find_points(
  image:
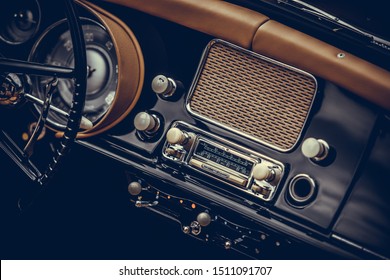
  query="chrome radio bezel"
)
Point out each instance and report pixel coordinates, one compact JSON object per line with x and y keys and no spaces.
{"x":239,"y":151}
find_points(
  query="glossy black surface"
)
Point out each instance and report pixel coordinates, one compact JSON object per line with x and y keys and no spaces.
{"x":346,"y":126}
{"x":365,"y":219}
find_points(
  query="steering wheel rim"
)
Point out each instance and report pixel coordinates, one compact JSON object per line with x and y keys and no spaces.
{"x":79,"y":76}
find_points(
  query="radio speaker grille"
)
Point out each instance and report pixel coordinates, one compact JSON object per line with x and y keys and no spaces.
{"x":252,"y":95}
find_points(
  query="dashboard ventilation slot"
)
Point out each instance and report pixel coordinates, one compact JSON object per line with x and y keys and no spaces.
{"x":252,"y":95}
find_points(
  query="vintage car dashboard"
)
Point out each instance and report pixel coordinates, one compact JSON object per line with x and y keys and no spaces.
{"x":246,"y":132}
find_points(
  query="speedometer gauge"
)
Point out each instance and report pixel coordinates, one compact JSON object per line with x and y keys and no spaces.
{"x":115,"y":71}
{"x":55,"y":48}
{"x":19,"y":21}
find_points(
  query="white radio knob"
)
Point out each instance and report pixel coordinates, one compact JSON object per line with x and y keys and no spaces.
{"x":266,"y":171}
{"x":315,"y":149}
{"x":261,"y":172}
{"x":175,"y":136}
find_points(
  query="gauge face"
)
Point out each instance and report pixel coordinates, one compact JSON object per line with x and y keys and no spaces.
{"x":55,"y":48}
{"x":19,"y":21}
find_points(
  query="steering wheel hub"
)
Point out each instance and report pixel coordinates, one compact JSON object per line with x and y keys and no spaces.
{"x":11,"y":89}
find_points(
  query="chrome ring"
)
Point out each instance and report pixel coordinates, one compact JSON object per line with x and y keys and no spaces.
{"x":307,"y":193}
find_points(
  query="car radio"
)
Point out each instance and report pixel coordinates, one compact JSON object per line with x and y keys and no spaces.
{"x":222,"y":160}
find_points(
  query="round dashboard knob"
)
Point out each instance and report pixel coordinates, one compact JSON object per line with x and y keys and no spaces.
{"x":261,"y":172}
{"x":203,"y":219}
{"x":144,"y":122}
{"x":316,"y":149}
{"x":164,"y":86}
{"x":134,"y":188}
{"x":175,"y":136}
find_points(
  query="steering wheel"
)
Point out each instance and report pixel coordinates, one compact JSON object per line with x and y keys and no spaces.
{"x":12,"y":90}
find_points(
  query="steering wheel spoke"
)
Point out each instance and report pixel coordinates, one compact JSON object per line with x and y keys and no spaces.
{"x":16,"y":154}
{"x":29,"y":148}
{"x":8,"y":65}
{"x":9,"y":90}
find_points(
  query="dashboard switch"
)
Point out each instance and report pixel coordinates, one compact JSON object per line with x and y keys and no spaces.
{"x":147,"y":123}
{"x":203,"y":219}
{"x":315,"y":149}
{"x":134,"y":188}
{"x":163,"y":86}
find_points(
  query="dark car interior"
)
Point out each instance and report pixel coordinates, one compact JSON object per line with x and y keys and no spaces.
{"x":194,"y":129}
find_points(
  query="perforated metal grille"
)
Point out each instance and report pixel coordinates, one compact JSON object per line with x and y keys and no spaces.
{"x":253,"y":96}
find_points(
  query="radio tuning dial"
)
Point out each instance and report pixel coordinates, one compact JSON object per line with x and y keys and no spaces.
{"x":177,"y":136}
{"x":263,"y":171}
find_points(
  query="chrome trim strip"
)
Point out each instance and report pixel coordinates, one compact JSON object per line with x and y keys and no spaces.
{"x":199,"y":71}
{"x":346,"y":241}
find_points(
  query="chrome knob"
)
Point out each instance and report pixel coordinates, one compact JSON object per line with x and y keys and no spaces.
{"x":203,"y":219}
{"x":146,"y":122}
{"x":195,"y":228}
{"x":228,"y":245}
{"x":134,"y":188}
{"x":315,"y":149}
{"x":186,"y":229}
{"x":163,"y":86}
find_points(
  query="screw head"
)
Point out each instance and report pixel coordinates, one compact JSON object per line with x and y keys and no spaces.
{"x":186,"y":229}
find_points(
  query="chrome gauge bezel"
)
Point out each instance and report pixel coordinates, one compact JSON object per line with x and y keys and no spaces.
{"x":40,"y":53}
{"x":33,"y":33}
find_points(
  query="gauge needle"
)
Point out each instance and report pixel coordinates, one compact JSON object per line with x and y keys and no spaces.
{"x":90,"y":71}
{"x":84,"y":124}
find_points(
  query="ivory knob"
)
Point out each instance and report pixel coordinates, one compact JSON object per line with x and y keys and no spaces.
{"x":175,"y":136}
{"x":261,"y":172}
{"x":313,"y":148}
{"x":144,"y":122}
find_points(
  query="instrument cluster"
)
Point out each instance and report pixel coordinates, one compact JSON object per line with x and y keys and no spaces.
{"x":35,"y":31}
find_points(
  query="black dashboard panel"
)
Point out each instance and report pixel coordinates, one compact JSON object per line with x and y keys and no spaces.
{"x":366,"y":212}
{"x":347,"y":126}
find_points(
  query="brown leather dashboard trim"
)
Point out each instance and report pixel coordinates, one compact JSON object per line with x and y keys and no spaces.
{"x":214,"y":17}
{"x":255,"y":31}
{"x":131,"y":70}
{"x":314,"y":56}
